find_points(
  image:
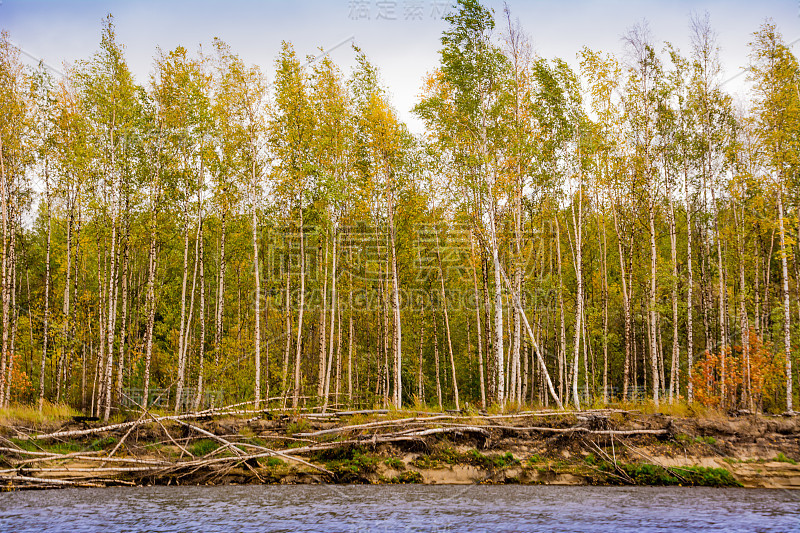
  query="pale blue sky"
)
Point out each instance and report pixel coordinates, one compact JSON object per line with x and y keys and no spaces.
{"x":404,"y":48}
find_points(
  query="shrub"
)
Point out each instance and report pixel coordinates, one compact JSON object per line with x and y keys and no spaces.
{"x":409,"y":476}
{"x":394,"y":462}
{"x":649,"y":474}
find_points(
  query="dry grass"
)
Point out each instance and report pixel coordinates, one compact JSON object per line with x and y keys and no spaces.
{"x":30,"y":413}
{"x":677,"y":409}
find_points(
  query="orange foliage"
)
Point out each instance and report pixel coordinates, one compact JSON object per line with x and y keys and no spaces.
{"x":767,"y":376}
{"x":21,"y":387}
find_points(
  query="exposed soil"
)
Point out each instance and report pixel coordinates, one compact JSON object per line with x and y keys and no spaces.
{"x":604,"y":447}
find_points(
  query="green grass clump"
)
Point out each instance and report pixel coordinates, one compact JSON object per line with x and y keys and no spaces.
{"x":394,"y":462}
{"x":298,"y":426}
{"x":349,"y":464}
{"x":426,"y":462}
{"x":654,"y":475}
{"x":476,"y":458}
{"x":409,"y":476}
{"x":101,"y":444}
{"x":781,"y":458}
{"x":473,"y":457}
{"x":54,"y":447}
{"x":706,"y":440}
{"x":203,"y":447}
{"x":273,"y":462}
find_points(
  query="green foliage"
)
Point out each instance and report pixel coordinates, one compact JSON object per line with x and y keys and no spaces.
{"x":521,"y":154}
{"x":409,"y":476}
{"x":449,"y":456}
{"x":649,"y":474}
{"x":273,"y":462}
{"x":781,"y":458}
{"x":298,"y":426}
{"x":395,"y":463}
{"x":203,"y":447}
{"x":352,"y":465}
{"x":711,"y":441}
{"x":102,"y":444}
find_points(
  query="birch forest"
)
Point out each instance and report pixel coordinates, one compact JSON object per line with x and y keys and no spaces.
{"x":582,"y":232}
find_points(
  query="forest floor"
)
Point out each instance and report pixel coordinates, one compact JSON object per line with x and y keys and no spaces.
{"x":239,"y":446}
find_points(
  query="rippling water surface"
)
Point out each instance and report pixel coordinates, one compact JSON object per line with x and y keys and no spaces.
{"x":400,"y":508}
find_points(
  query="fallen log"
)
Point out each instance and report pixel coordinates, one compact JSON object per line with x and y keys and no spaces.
{"x":47,"y":481}
{"x":239,"y":452}
{"x":457,"y":429}
{"x":616,"y":432}
{"x":125,"y":425}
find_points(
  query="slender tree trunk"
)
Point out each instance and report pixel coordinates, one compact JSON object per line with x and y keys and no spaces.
{"x":257,"y":296}
{"x":183,"y":352}
{"x":201,"y":342}
{"x":481,"y":378}
{"x":15,"y":316}
{"x":4,"y":197}
{"x":398,"y":336}
{"x":689,"y":294}
{"x":674,"y":377}
{"x":151,"y":316}
{"x":46,"y":325}
{"x":436,"y":361}
{"x":723,"y":332}
{"x":578,"y":225}
{"x":516,"y":386}
{"x":652,"y":309}
{"x":183,"y":325}
{"x":322,"y":316}
{"x":220,"y":305}
{"x":420,"y":388}
{"x":747,"y":398}
{"x":491,"y":378}
{"x":299,"y":346}
{"x":447,"y":326}
{"x":333,"y":324}
{"x":562,"y":352}
{"x":787,"y":336}
{"x":518,"y":303}
{"x":337,"y":389}
{"x":498,"y":311}
{"x":124,"y":329}
{"x":288,"y":331}
{"x":350,"y":326}
{"x":113,"y":294}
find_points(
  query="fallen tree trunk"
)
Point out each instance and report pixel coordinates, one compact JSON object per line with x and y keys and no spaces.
{"x":616,"y":432}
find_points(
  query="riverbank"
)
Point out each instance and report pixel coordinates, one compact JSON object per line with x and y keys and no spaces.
{"x":595,"y":447}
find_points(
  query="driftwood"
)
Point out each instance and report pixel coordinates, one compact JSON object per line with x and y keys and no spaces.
{"x":262,"y":448}
{"x":371,"y":425}
{"x":221,"y":411}
{"x":49,"y":481}
{"x":578,"y":429}
{"x":416,"y":427}
{"x":458,"y":429}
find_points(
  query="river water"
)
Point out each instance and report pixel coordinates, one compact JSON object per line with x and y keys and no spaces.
{"x":380,"y":508}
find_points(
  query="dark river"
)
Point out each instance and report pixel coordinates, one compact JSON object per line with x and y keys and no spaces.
{"x":400,"y":508}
